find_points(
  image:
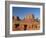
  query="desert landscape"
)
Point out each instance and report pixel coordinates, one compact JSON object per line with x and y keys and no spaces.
{"x":28,"y":23}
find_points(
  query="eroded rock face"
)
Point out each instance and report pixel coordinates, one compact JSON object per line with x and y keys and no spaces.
{"x":27,"y":24}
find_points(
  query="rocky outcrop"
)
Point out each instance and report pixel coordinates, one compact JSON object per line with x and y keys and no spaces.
{"x":28,"y":23}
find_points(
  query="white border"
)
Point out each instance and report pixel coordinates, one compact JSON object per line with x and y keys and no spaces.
{"x":23,"y":32}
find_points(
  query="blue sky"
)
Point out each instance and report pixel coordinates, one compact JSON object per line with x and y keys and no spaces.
{"x":22,"y":11}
